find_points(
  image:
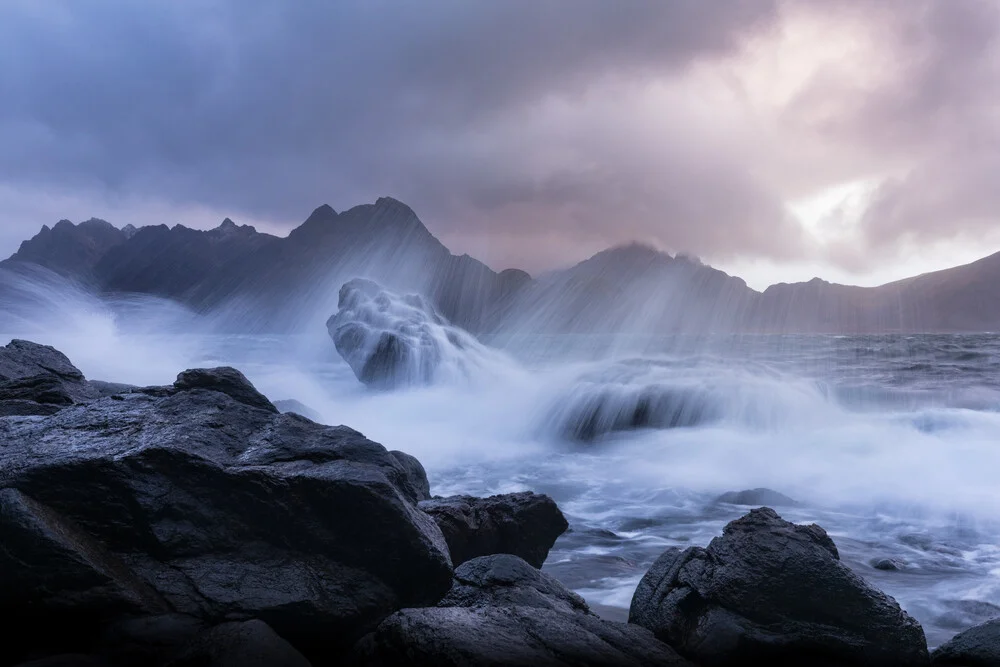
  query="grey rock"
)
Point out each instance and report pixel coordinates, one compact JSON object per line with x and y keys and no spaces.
{"x":503,"y":611}
{"x":239,"y":644}
{"x":503,"y":580}
{"x":757,"y":498}
{"x":976,"y":647}
{"x":524,"y":524}
{"x":771,"y":592}
{"x":508,"y":637}
{"x":228,"y":381}
{"x":23,"y":359}
{"x":416,"y":476}
{"x":201,"y":499}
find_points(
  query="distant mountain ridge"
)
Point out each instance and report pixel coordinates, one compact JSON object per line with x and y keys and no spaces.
{"x":260,"y":282}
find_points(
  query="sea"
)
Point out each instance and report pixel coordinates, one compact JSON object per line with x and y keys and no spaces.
{"x":889,"y":442}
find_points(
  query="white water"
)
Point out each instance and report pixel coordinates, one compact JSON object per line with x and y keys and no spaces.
{"x":892,"y":466}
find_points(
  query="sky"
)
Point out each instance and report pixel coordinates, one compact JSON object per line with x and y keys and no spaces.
{"x":848,"y":139}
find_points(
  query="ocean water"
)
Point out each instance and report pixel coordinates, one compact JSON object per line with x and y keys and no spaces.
{"x":891,"y":443}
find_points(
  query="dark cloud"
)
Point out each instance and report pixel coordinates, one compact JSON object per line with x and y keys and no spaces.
{"x":268,"y":108}
{"x":529,"y":132}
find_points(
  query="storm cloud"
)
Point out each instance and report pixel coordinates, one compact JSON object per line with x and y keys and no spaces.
{"x":529,"y":133}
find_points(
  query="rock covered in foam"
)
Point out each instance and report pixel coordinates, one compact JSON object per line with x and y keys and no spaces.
{"x":772,"y":592}
{"x":391,"y":340}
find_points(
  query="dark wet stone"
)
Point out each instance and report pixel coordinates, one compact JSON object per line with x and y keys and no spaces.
{"x":771,"y":592}
{"x":205,"y":501}
{"x":225,"y":380}
{"x":524,"y":524}
{"x":976,"y":647}
{"x":502,"y":611}
{"x":246,"y":644}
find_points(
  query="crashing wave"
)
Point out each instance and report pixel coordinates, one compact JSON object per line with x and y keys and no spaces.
{"x":645,"y":394}
{"x":391,"y":340}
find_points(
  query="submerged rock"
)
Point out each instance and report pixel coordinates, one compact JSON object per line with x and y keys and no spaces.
{"x":392,"y":340}
{"x":888,"y":564}
{"x":502,"y":611}
{"x":757,"y":498}
{"x":771,"y":592}
{"x":523,"y":524}
{"x":201,"y":499}
{"x":976,"y":647}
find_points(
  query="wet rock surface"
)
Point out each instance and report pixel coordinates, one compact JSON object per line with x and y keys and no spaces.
{"x":524,"y":524}
{"x":502,"y":611}
{"x":202,"y":499}
{"x":976,"y":647}
{"x":776,"y":593}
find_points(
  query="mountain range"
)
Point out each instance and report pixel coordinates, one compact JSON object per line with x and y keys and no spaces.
{"x":257,"y":282}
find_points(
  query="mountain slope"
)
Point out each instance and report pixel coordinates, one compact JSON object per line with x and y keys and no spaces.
{"x":257,"y":282}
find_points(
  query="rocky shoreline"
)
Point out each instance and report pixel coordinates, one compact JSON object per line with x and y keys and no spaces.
{"x":197,"y":524}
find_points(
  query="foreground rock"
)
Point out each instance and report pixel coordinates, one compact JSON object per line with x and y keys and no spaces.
{"x":523,"y":524}
{"x":771,"y":592}
{"x":39,"y":380}
{"x":202,"y":500}
{"x":392,"y":340}
{"x":976,"y":647}
{"x":502,"y":611}
{"x":248,"y":644}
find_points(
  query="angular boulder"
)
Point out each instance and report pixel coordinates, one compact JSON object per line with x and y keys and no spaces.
{"x":39,"y":380}
{"x":201,"y":499}
{"x":976,"y":647}
{"x":502,"y":611}
{"x":771,"y":592}
{"x":416,"y":476}
{"x":524,"y":524}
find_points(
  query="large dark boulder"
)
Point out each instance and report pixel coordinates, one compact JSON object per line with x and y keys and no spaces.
{"x":771,"y":592}
{"x":976,"y":647}
{"x":504,"y":612}
{"x":246,"y":644}
{"x":201,"y":499}
{"x":503,"y":580}
{"x":416,"y":477}
{"x":39,"y":380}
{"x":22,"y":359}
{"x":524,"y":524}
{"x":225,"y":380}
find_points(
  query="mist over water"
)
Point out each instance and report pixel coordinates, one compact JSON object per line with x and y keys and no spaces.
{"x":888,"y":442}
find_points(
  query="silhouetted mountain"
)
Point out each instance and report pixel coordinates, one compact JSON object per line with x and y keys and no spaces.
{"x":71,"y":250}
{"x":255,"y":281}
{"x":628,"y":288}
